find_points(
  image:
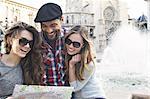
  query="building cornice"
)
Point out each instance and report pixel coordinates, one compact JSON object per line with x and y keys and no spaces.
{"x":78,"y":13}
{"x":19,"y":4}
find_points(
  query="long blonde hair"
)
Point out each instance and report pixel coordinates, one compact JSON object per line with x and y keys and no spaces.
{"x":87,"y":54}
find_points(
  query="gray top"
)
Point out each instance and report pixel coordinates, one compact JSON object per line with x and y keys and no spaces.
{"x":90,"y":87}
{"x":9,"y":76}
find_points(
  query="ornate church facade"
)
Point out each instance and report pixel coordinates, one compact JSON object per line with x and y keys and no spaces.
{"x":101,"y":17}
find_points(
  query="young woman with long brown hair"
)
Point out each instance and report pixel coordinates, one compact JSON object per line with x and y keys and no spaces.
{"x":22,"y":62}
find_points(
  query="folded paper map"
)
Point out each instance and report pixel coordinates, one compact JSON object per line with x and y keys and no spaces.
{"x":42,"y":92}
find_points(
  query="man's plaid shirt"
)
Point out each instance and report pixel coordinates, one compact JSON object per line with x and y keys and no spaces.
{"x":54,"y":62}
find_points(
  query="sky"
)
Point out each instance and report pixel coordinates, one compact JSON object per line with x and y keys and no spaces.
{"x":38,"y":3}
{"x":135,"y":7}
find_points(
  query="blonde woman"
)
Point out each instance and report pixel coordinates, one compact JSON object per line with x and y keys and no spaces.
{"x":80,"y":65}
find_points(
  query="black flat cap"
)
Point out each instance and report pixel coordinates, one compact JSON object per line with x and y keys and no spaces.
{"x":48,"y":12}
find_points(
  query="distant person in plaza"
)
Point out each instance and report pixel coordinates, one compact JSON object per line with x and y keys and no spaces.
{"x":142,"y":21}
{"x":21,"y":64}
{"x":50,"y":18}
{"x":1,"y":38}
{"x":80,"y":65}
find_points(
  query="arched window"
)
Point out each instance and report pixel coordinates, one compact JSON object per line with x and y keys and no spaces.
{"x":72,"y":19}
{"x":91,"y":32}
{"x":67,"y":20}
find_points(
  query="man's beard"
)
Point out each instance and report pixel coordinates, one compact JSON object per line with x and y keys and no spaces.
{"x":56,"y":34}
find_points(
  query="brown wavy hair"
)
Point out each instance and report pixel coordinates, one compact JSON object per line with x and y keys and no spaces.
{"x":32,"y":63}
{"x":86,"y":52}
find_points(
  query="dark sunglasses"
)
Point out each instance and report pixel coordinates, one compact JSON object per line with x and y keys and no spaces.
{"x":24,"y":41}
{"x":75,"y":44}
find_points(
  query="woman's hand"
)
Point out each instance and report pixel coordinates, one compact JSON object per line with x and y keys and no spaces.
{"x":75,"y":59}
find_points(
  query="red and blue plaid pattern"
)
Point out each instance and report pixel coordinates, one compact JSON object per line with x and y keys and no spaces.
{"x":54,"y":62}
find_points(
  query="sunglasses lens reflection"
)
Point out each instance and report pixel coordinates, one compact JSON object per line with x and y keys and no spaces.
{"x":24,"y":41}
{"x":75,"y":44}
